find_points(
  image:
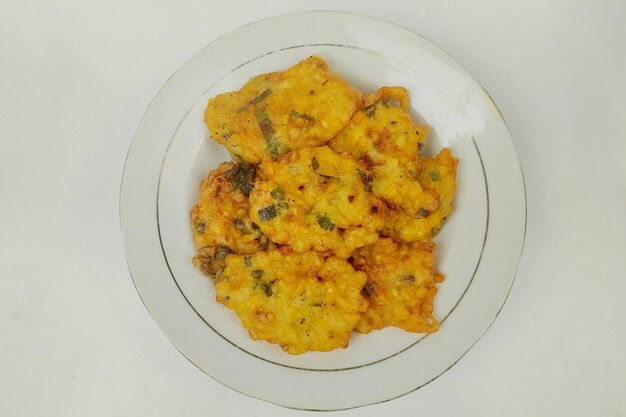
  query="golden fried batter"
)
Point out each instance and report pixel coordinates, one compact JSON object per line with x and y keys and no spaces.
{"x":400,"y":187}
{"x":305,"y":105}
{"x":302,"y":302}
{"x":438,"y":177}
{"x":314,"y":199}
{"x":323,"y":224}
{"x":220,"y":220}
{"x":400,"y":286}
{"x":381,"y":129}
{"x":385,"y":137}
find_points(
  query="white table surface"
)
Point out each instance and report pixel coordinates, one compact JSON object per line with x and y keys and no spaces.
{"x":75,"y":80}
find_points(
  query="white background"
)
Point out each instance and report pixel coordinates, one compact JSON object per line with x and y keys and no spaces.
{"x":75,"y":79}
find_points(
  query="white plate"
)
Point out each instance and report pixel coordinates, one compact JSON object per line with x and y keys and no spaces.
{"x":478,"y":250}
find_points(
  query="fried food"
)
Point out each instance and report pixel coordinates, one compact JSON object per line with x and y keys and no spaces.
{"x":384,"y":136}
{"x":220,"y":221}
{"x":303,"y":106}
{"x":381,"y":129}
{"x":438,"y":176}
{"x":302,"y":302}
{"x":315,"y":199}
{"x":400,"y":286}
{"x":322,"y":225}
{"x":400,"y":187}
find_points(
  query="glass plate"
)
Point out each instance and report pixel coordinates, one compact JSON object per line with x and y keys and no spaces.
{"x":478,"y":249}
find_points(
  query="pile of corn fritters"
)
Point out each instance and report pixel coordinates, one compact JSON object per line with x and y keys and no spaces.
{"x":322,"y":222}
